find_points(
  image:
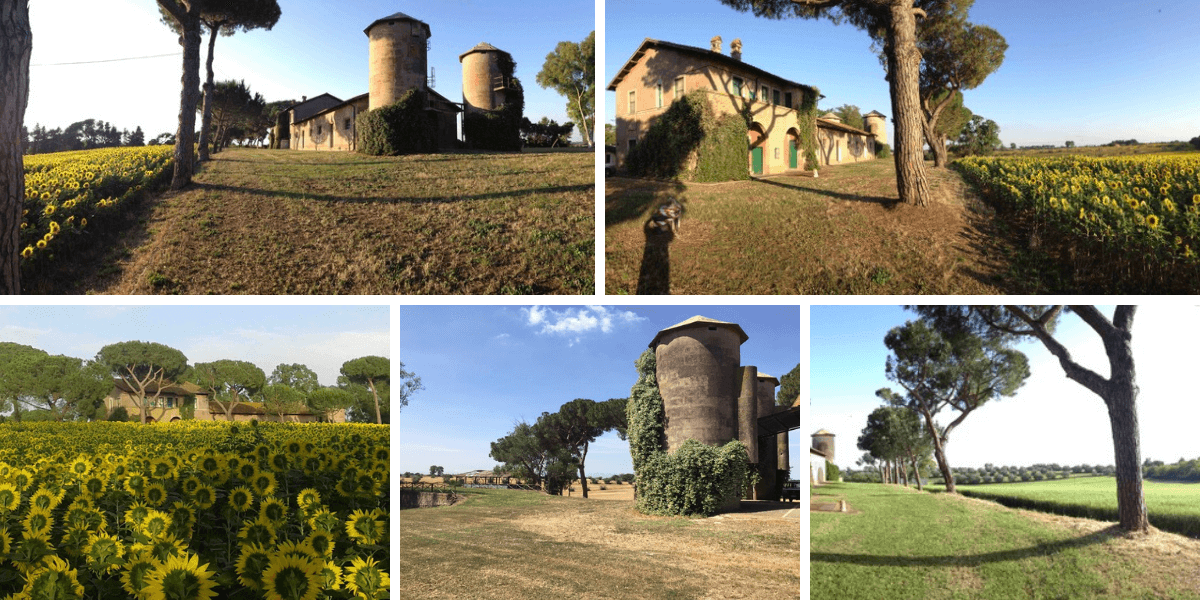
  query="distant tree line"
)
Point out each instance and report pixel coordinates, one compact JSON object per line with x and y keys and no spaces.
{"x":37,"y":386}
{"x":81,"y":135}
{"x":1184,"y":470}
{"x":990,"y":473}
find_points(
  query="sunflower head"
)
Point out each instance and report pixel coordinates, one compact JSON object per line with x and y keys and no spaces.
{"x":257,"y":532}
{"x":272,"y":510}
{"x":263,"y":483}
{"x":205,"y":496}
{"x":53,"y":579}
{"x":155,"y":494}
{"x":363,"y":526}
{"x":308,"y":497}
{"x":365,"y":579}
{"x":251,"y":564}
{"x":290,"y":577}
{"x":241,"y":498}
{"x":103,"y":552}
{"x":332,"y":576}
{"x":320,"y":543}
{"x":181,"y":578}
{"x":10,"y":497}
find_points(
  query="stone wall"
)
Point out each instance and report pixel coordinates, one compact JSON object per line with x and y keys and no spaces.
{"x":415,"y":499}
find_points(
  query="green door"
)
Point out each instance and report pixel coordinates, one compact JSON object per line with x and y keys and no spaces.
{"x":791,"y":154}
{"x":756,"y":160}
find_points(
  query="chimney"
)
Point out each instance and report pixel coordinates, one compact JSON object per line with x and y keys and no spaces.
{"x":735,"y":49}
{"x":304,"y":98}
{"x":716,"y":44}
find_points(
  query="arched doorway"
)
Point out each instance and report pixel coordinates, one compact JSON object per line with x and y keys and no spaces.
{"x":793,"y":148}
{"x":758,"y":138}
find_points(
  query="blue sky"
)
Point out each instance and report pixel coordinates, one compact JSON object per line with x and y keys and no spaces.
{"x":321,"y":337}
{"x":1050,"y":419}
{"x":316,"y":47}
{"x":486,"y":367}
{"x":1086,"y":71}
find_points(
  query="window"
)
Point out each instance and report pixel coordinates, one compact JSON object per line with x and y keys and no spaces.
{"x":632,"y":101}
{"x":632,"y":142}
{"x":679,"y":91}
{"x":319,"y":129}
{"x":775,"y":97}
{"x":737,"y":86}
{"x":347,"y":125}
{"x":658,"y":95}
{"x":765,"y":93}
{"x":776,"y":153}
{"x":787,"y":100}
{"x":170,"y":403}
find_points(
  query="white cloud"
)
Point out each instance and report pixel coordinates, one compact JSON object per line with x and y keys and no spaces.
{"x":574,"y":322}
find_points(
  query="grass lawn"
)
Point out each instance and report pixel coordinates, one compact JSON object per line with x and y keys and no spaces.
{"x":1171,"y":506}
{"x":899,"y":543}
{"x":288,"y":222}
{"x":841,"y":233}
{"x":515,"y":544}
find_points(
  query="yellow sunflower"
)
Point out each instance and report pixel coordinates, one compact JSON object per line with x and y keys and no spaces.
{"x":263,"y":483}
{"x":363,"y":526}
{"x":292,"y":578}
{"x":180,"y":578}
{"x":205,"y":496}
{"x":320,"y":543}
{"x":273,"y":510}
{"x":365,"y":579}
{"x":251,"y":565}
{"x":53,"y":579}
{"x":308,"y":497}
{"x":10,"y":497}
{"x":38,"y":521}
{"x":155,"y":524}
{"x":1152,"y":221}
{"x":257,"y":532}
{"x":332,"y":575}
{"x":241,"y":498}
{"x":155,"y":494}
{"x":104,"y":552}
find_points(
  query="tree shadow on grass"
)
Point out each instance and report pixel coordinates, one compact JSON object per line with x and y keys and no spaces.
{"x":969,"y":560}
{"x":558,"y":189}
{"x":882,"y":200}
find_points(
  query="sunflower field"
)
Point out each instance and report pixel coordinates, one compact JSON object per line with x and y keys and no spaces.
{"x":193,"y":510}
{"x":1139,"y":212}
{"x":69,"y":193}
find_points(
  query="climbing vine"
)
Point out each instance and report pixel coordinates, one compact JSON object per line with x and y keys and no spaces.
{"x":696,"y":479}
{"x":807,"y":118}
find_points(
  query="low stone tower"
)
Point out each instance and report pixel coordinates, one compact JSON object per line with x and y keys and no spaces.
{"x":876,"y":123}
{"x":398,"y":60}
{"x":823,"y":441}
{"x":485,"y":82}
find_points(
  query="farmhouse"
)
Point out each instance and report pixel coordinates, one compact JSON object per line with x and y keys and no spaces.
{"x":173,"y":401}
{"x":398,"y":62}
{"x":781,"y":112}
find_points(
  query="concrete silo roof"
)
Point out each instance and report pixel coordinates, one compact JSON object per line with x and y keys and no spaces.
{"x":395,"y":17}
{"x":823,"y":432}
{"x":764,"y":376}
{"x":699,"y":321}
{"x":480,"y":47}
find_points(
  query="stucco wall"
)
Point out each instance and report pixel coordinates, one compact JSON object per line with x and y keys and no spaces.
{"x":663,"y":65}
{"x":329,"y":131}
{"x":415,"y":499}
{"x":842,"y":147}
{"x":396,"y":54}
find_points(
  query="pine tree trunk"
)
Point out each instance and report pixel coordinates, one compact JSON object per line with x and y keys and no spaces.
{"x":206,"y":118}
{"x":904,"y":76}
{"x":16,"y":46}
{"x":916,"y":472}
{"x":1122,"y":415}
{"x":189,"y":95}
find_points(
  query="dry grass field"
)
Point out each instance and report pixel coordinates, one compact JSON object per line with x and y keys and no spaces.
{"x":514,"y":544}
{"x":841,"y":233}
{"x":284,"y":222}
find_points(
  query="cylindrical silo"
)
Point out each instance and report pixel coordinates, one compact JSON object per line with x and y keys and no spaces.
{"x":768,"y":458}
{"x":747,"y":415}
{"x":397,"y":58}
{"x":484,"y":82}
{"x":698,"y":366}
{"x":823,"y":441}
{"x":785,"y":463}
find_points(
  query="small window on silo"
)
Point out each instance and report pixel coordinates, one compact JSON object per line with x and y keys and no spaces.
{"x":712,"y":328}
{"x":347,"y":124}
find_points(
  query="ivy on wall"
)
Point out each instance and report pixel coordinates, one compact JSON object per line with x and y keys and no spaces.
{"x":807,"y":117}
{"x":498,"y":129}
{"x":398,"y":128}
{"x":696,"y":479}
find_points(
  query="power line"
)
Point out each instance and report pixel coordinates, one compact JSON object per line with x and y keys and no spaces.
{"x":89,"y":62}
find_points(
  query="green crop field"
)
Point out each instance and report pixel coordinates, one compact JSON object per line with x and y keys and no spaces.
{"x":899,"y":543}
{"x":1172,"y":506}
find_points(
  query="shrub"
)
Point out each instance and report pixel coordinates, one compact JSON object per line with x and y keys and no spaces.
{"x":402,"y":127}
{"x":832,"y":473}
{"x":696,"y":478}
{"x":882,"y":151}
{"x":118,"y":414}
{"x":603,"y":487}
{"x":1195,"y":142}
